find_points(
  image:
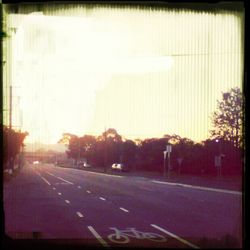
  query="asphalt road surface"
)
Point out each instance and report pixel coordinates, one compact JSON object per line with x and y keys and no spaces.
{"x":48,"y":202}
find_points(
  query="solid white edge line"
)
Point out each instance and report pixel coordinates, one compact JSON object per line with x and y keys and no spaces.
{"x":175,"y":236}
{"x":79,"y":214}
{"x":199,"y":187}
{"x":98,"y":236}
{"x":101,"y":198}
{"x":45,"y":180}
{"x":123,"y":209}
{"x":67,"y":201}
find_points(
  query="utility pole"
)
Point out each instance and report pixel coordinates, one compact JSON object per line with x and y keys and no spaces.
{"x":105,"y":153}
{"x":10,"y":117}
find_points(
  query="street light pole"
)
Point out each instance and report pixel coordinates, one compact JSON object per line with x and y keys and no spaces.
{"x":168,"y":164}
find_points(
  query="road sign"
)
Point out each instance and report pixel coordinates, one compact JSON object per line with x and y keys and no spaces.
{"x":169,"y":148}
{"x":217,"y":161}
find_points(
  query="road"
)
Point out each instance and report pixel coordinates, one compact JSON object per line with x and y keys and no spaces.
{"x":48,"y":202}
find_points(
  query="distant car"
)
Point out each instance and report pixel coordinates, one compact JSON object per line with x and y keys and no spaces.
{"x":35,"y":162}
{"x":86,"y":165}
{"x":120,"y":167}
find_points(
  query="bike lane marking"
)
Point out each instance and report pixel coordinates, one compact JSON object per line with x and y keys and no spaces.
{"x":123,"y":209}
{"x":98,"y":236}
{"x":175,"y":236}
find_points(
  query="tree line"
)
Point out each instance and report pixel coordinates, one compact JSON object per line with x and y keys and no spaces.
{"x":189,"y":157}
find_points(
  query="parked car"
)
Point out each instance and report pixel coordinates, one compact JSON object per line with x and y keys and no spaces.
{"x":120,"y":167}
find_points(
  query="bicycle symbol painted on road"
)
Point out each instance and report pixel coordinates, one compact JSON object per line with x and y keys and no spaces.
{"x":122,"y":236}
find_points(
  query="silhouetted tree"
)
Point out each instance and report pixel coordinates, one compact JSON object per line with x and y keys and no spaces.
{"x":228,"y":119}
{"x":12,"y":142}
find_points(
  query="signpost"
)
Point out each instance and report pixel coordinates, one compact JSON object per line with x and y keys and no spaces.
{"x":217,"y":164}
{"x":167,"y":151}
{"x":179,"y":160}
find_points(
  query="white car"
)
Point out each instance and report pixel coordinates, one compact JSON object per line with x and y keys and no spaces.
{"x":119,"y":166}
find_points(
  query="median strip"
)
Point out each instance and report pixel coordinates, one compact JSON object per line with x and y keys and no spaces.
{"x":199,"y":187}
{"x":98,"y":236}
{"x":175,"y":236}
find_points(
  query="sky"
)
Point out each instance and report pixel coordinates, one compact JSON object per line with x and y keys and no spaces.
{"x":144,"y":73}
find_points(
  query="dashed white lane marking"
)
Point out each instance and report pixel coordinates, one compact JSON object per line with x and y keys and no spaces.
{"x":67,"y":201}
{"x":64,"y":180}
{"x":45,"y":180}
{"x":79,"y":187}
{"x":79,"y":214}
{"x":98,"y":236}
{"x":59,"y":193}
{"x":199,"y":187}
{"x":175,"y":236}
{"x":88,"y":191}
{"x":123,"y":209}
{"x":54,"y":188}
{"x":101,"y":198}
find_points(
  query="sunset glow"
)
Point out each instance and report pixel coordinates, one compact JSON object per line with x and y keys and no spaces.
{"x":144,"y":73}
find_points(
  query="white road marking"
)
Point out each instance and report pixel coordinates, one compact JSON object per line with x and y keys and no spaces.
{"x":64,"y":180}
{"x":59,"y":193}
{"x":98,"y":236}
{"x":46,"y":181}
{"x":67,"y":201}
{"x":54,"y":188}
{"x":101,"y":198}
{"x":50,"y":174}
{"x":118,"y":176}
{"x":175,"y":236}
{"x":123,"y":209}
{"x":59,"y":178}
{"x":88,"y":192}
{"x":79,"y":187}
{"x":79,"y":214}
{"x":38,"y":173}
{"x":199,"y":187}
